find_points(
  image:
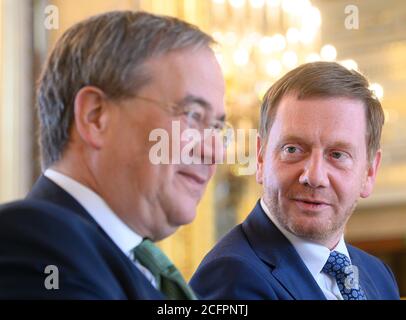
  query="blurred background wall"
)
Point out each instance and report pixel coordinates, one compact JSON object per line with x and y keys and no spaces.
{"x":259,"y":40}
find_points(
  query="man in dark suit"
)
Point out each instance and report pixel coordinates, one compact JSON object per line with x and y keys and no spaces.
{"x":318,"y":152}
{"x":113,"y":86}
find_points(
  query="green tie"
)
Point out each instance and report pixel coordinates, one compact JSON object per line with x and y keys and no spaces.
{"x":169,"y":280}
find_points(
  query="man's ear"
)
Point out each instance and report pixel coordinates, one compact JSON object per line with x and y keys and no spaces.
{"x":260,"y":160}
{"x":371,"y":175}
{"x":91,"y":115}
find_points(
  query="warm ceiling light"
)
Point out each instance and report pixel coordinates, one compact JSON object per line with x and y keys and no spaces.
{"x":293,"y":35}
{"x":349,"y":64}
{"x":241,"y":57}
{"x":377,"y":89}
{"x":266,"y":45}
{"x":290,"y":59}
{"x":273,"y":3}
{"x":237,"y":3}
{"x":311,"y":17}
{"x":313,"y":57}
{"x":307,"y":35}
{"x":218,"y":36}
{"x":279,"y":42}
{"x":257,"y":4}
{"x":230,"y":38}
{"x":274,"y":68}
{"x":289,"y":6}
{"x":328,"y":52}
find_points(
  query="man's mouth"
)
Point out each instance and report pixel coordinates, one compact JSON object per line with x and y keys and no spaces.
{"x":311,"y":201}
{"x":310,"y":204}
{"x":193,"y":177}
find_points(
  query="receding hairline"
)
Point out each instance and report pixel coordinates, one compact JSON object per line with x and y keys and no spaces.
{"x":295,"y":94}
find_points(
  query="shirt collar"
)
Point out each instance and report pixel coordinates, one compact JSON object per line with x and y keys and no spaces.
{"x":124,"y":237}
{"x":314,"y":255}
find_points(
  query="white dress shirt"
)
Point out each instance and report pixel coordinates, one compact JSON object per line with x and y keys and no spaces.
{"x":124,"y":237}
{"x":314,"y":256}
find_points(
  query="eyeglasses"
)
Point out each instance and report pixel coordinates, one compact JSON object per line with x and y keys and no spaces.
{"x":197,"y":117}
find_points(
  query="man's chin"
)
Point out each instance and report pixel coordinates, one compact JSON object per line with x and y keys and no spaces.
{"x":171,"y":229}
{"x":187,"y":217}
{"x":186,"y":213}
{"x":164,"y":234}
{"x":311,"y":229}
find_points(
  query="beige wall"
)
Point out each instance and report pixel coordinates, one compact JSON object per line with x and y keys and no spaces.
{"x":16,"y":107}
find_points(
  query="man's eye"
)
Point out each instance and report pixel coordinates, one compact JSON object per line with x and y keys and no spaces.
{"x":291,"y":153}
{"x":290,"y":149}
{"x":195,"y":115}
{"x":218,"y":125}
{"x":338,"y":155}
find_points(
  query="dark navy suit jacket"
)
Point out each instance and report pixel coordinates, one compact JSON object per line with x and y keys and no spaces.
{"x":49,"y":227}
{"x":256,"y":261}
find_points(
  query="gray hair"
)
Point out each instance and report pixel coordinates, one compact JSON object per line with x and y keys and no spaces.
{"x":107,"y":51}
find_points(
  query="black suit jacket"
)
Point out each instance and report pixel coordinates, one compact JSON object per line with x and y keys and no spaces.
{"x":50,"y":227}
{"x":256,"y":261}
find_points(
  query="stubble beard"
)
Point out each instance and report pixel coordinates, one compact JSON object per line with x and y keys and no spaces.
{"x":321,"y":233}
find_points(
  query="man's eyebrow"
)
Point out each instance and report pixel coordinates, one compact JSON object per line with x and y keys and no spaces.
{"x":336,"y":144}
{"x":196,"y":99}
{"x":344,"y":145}
{"x":202,"y":102}
{"x":292,"y":138}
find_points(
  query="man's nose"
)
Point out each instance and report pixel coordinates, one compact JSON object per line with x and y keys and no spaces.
{"x":315,"y":173}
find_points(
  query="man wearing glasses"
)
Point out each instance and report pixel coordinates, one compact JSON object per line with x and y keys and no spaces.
{"x":86,"y":230}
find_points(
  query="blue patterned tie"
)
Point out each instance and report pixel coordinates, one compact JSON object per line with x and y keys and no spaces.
{"x":339,"y":266}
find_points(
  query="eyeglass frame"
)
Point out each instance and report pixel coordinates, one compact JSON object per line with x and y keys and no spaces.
{"x":167,"y":106}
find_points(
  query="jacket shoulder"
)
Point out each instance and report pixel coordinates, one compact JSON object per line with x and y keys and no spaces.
{"x":378,"y":271}
{"x":231,"y":270}
{"x":16,"y":214}
{"x":34,"y":235}
{"x":366,"y":259}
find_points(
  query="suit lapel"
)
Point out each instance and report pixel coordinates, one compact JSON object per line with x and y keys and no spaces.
{"x":367,"y":284}
{"x":275,"y":250}
{"x":46,"y":190}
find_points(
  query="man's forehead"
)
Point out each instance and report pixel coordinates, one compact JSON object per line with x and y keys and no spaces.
{"x":187,"y":66}
{"x":181,"y":77}
{"x":182,"y":59}
{"x":339,"y":118}
{"x":329,"y":109}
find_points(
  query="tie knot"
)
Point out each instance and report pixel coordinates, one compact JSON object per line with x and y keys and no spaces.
{"x":338,"y":265}
{"x":152,"y":257}
{"x":168,"y":278}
